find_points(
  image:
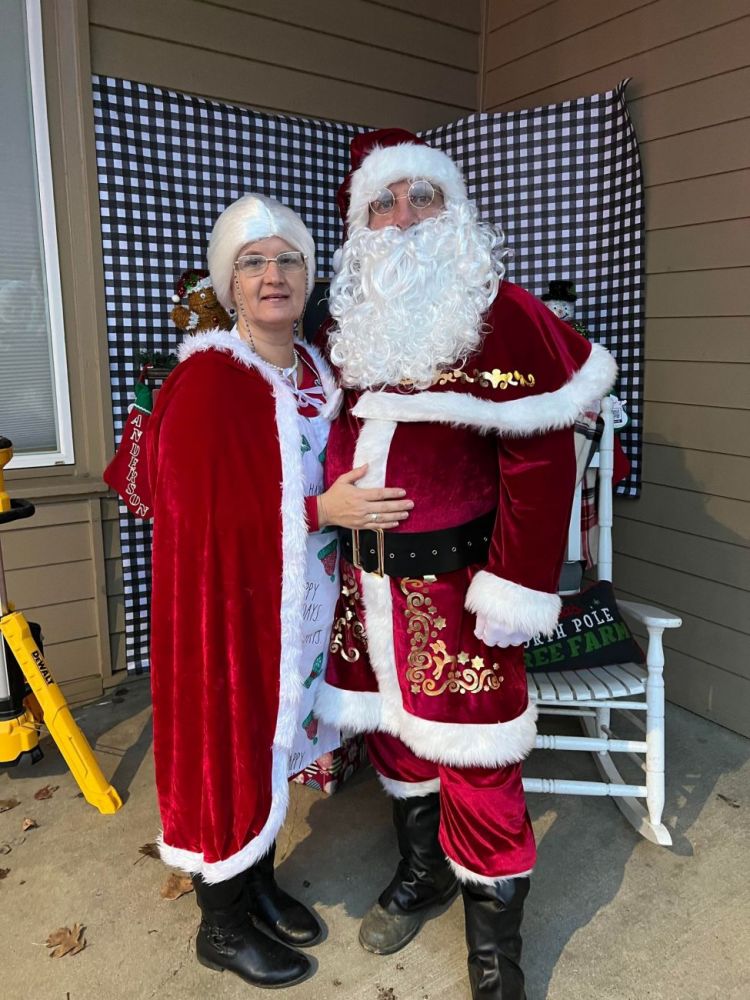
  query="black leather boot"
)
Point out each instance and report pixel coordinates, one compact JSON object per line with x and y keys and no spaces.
{"x":286,"y":917}
{"x":493,"y":936}
{"x":227,"y":939}
{"x":423,"y":878}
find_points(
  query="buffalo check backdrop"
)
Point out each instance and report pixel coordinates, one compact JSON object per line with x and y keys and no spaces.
{"x":563,"y":181}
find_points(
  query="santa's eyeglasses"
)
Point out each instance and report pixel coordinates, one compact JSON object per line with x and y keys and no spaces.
{"x":421,"y":195}
{"x":255,"y":264}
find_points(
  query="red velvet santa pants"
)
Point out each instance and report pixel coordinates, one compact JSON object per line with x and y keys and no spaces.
{"x":485,"y":828}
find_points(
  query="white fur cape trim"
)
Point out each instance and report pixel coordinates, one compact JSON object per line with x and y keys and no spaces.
{"x":517,"y":417}
{"x":355,"y":711}
{"x":193,"y":863}
{"x":294,"y":559}
{"x":407,"y":161}
{"x":458,"y":744}
{"x":511,"y":605}
{"x":468,"y":876}
{"x":408,"y":789}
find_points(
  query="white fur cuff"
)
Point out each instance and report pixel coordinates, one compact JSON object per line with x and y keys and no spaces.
{"x":512,"y":606}
{"x":465,"y":875}
{"x":408,"y":789}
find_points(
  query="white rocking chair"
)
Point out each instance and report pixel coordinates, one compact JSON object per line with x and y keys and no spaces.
{"x":592,"y":695}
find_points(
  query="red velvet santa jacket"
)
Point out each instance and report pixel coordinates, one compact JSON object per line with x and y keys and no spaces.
{"x":495,"y":435}
{"x":229,"y":553}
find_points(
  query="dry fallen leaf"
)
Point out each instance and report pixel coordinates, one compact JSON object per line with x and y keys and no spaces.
{"x":4,"y":872}
{"x":29,"y":824}
{"x":176,"y":886}
{"x":729,"y":800}
{"x":149,"y":850}
{"x":5,"y":848}
{"x":6,"y":804}
{"x":65,"y":941}
{"x":46,"y":792}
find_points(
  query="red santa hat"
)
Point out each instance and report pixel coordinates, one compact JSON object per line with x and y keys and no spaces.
{"x":388,"y":155}
{"x":249,"y":219}
{"x":190,"y":281}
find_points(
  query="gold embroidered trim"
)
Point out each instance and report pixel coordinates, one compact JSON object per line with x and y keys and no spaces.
{"x":434,"y":670}
{"x":488,"y":380}
{"x":348,"y":622}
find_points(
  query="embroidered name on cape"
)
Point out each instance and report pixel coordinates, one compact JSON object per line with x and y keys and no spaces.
{"x":135,"y":430}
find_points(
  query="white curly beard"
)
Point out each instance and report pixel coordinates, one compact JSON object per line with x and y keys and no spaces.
{"x":407,"y":305}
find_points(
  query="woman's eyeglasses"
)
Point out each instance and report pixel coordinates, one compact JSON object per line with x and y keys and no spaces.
{"x":421,"y":195}
{"x":255,"y":264}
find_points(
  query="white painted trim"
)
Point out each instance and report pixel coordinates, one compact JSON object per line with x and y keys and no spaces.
{"x":408,"y":789}
{"x":533,"y":414}
{"x":467,"y":876}
{"x":64,"y":454}
{"x":512,"y":606}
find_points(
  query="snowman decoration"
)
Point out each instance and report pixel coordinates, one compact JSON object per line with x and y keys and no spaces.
{"x":560,"y":298}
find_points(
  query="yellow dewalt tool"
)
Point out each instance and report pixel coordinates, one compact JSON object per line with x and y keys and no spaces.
{"x":26,"y":705}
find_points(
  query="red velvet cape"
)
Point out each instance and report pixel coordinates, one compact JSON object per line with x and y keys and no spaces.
{"x":229,"y":548}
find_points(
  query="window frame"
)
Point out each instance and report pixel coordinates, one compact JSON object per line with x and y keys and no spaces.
{"x":64,"y":454}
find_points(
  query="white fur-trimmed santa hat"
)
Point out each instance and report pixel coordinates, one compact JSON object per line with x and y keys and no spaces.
{"x":388,"y":155}
{"x":249,"y":219}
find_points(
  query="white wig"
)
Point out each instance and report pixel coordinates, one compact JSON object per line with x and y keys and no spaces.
{"x":249,"y":219}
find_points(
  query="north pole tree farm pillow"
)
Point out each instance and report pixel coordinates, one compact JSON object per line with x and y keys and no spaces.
{"x":590,"y":633}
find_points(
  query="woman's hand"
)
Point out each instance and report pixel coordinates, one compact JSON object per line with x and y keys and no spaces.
{"x":347,"y":505}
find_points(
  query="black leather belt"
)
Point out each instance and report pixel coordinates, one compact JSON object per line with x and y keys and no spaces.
{"x":419,"y":553}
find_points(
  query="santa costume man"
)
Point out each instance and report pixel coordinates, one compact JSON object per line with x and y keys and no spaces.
{"x":462,"y":389}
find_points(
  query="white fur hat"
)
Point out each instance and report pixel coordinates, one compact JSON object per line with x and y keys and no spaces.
{"x":249,"y":219}
{"x":389,"y":155}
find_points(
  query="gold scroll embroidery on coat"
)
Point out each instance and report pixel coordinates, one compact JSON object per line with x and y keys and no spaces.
{"x":488,"y":380}
{"x":348,"y":626}
{"x":432,"y":669}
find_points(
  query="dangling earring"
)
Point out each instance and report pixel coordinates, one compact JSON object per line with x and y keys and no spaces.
{"x":295,"y":328}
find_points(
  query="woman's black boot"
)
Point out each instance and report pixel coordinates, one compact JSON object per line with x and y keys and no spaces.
{"x":493,"y":936}
{"x":286,"y":917}
{"x":227,"y":939}
{"x":423,"y":878}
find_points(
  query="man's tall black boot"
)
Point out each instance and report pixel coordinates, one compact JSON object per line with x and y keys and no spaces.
{"x":423,"y":878}
{"x":493,"y":935}
{"x":286,"y":917}
{"x":227,"y":938}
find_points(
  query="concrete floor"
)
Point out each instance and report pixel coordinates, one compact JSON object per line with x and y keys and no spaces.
{"x":610,"y":916}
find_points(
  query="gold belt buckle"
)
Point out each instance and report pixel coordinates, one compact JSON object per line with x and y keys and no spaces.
{"x":356,"y":554}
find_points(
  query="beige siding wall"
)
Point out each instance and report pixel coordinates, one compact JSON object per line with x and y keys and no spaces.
{"x":413,"y":63}
{"x":115,"y":589}
{"x":55,"y":572}
{"x":55,"y":560}
{"x":684,"y":544}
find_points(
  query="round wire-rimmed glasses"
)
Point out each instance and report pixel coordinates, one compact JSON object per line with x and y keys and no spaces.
{"x":255,"y":264}
{"x":421,"y":195}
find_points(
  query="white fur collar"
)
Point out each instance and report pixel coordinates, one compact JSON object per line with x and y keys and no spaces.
{"x":231,"y":342}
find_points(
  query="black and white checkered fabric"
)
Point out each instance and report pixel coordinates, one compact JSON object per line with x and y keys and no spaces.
{"x":168,"y":165}
{"x":564,"y":182}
